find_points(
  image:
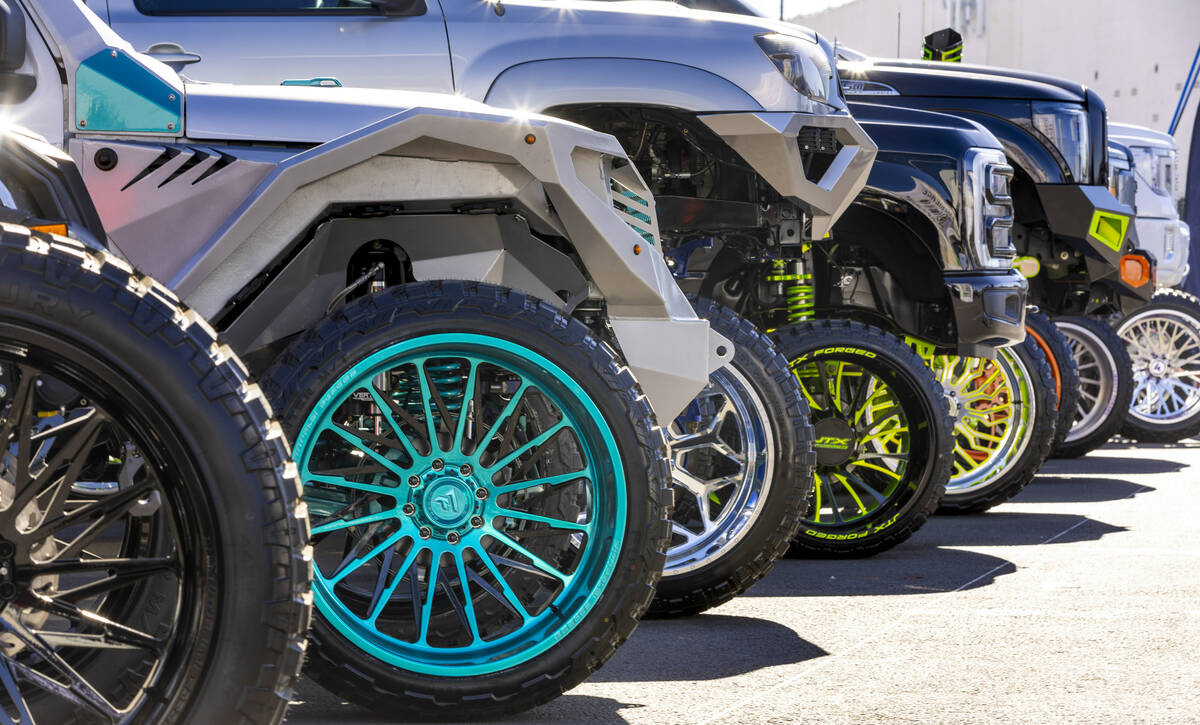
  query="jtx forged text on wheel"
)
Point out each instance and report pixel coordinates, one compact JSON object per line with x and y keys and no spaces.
{"x":1105,"y":384}
{"x":1163,"y":340}
{"x":742,"y":455}
{"x":881,"y":433}
{"x":1004,"y":413}
{"x":488,"y":491}
{"x":152,"y":542}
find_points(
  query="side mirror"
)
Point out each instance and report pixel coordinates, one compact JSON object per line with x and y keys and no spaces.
{"x":12,"y":36}
{"x":397,"y":8}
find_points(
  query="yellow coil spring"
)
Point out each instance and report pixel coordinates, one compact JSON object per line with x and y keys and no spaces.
{"x":797,"y":289}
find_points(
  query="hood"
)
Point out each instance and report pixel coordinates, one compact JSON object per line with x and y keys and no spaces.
{"x":909,"y":131}
{"x":485,"y":43}
{"x":929,"y":79}
{"x":1141,"y":136}
{"x":312,"y":115}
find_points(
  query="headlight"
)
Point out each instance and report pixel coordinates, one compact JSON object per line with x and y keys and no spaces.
{"x":1121,"y":181}
{"x":1157,"y":168}
{"x":987,"y":208}
{"x":1066,"y":127}
{"x":803,"y":64}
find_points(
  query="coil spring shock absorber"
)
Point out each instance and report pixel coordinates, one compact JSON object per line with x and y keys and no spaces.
{"x":445,"y":377}
{"x":797,"y":288}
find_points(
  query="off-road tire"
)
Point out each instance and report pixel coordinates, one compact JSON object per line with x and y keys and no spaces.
{"x":1114,"y":419}
{"x":303,"y":372}
{"x":1036,"y":447}
{"x":1188,"y":427}
{"x":739,"y":567}
{"x":247,"y":664}
{"x":801,"y":339}
{"x":1062,"y":367}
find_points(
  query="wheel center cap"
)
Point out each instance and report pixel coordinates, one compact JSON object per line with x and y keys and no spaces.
{"x":448,"y":502}
{"x":1158,"y":367}
{"x":835,"y":441}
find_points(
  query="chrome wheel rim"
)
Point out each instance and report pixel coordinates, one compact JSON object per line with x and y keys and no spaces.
{"x":993,"y":408}
{"x":1164,"y":346}
{"x":722,"y":458}
{"x":1098,"y":379}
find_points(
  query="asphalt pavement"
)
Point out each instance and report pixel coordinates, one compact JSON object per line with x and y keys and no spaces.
{"x":1078,"y":601}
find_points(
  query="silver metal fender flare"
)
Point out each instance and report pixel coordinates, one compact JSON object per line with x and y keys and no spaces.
{"x":767,"y":141}
{"x":538,"y":85}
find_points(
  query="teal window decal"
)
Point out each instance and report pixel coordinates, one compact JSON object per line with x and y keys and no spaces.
{"x":115,"y":93}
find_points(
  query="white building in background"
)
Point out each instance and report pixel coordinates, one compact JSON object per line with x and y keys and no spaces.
{"x":1134,"y":53}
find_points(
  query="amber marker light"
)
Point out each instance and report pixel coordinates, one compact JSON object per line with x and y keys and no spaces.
{"x":1135,"y":270}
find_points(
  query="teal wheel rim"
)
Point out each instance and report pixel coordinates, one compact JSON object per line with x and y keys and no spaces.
{"x":468,"y":504}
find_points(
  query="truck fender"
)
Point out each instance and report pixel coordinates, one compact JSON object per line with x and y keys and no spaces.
{"x":538,"y":85}
{"x":1024,"y":151}
{"x":922,"y":204}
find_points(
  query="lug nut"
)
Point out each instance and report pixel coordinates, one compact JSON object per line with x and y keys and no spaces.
{"x":409,"y":509}
{"x":465,"y":469}
{"x":438,"y":464}
{"x":481,"y":494}
{"x":414,"y":481}
{"x":452,"y":538}
{"x":425,"y":532}
{"x":476,"y":521}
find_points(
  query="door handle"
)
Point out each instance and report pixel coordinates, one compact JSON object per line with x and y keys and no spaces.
{"x":172,"y":54}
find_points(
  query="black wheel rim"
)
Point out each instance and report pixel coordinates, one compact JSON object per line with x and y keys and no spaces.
{"x":104,"y":566}
{"x":873,"y":442}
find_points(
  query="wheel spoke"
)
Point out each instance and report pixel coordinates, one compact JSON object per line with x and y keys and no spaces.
{"x":355,"y":439}
{"x":426,"y":394}
{"x":345,"y":483}
{"x":339,"y":524}
{"x":352,"y":562}
{"x":431,"y":583}
{"x":84,"y":431}
{"x":538,"y":562}
{"x":7,"y":676}
{"x":554,"y":480}
{"x":556,"y":523}
{"x":507,"y":418}
{"x":537,"y":442}
{"x":120,"y":572}
{"x":853,"y":494}
{"x":384,"y":590}
{"x":510,"y":596}
{"x":110,"y":509}
{"x":385,"y":403}
{"x":77,"y":688}
{"x":464,"y":608}
{"x":468,"y":399}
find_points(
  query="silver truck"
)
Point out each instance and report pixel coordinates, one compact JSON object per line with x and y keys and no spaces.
{"x":459,"y":321}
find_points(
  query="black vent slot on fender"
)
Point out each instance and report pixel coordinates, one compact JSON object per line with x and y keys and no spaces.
{"x":186,"y":166}
{"x":155,"y":165}
{"x":818,"y":147}
{"x":222,"y":162}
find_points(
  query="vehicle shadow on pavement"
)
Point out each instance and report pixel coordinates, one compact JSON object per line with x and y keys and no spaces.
{"x":1079,"y":489}
{"x":1012,"y":528}
{"x":706,"y":641}
{"x":913,"y":568}
{"x":1110,"y":465}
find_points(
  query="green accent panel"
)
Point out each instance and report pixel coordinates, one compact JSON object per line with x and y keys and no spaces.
{"x":1109,"y":228}
{"x":113,"y":92}
{"x":1029,"y":267}
{"x":925,"y":349}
